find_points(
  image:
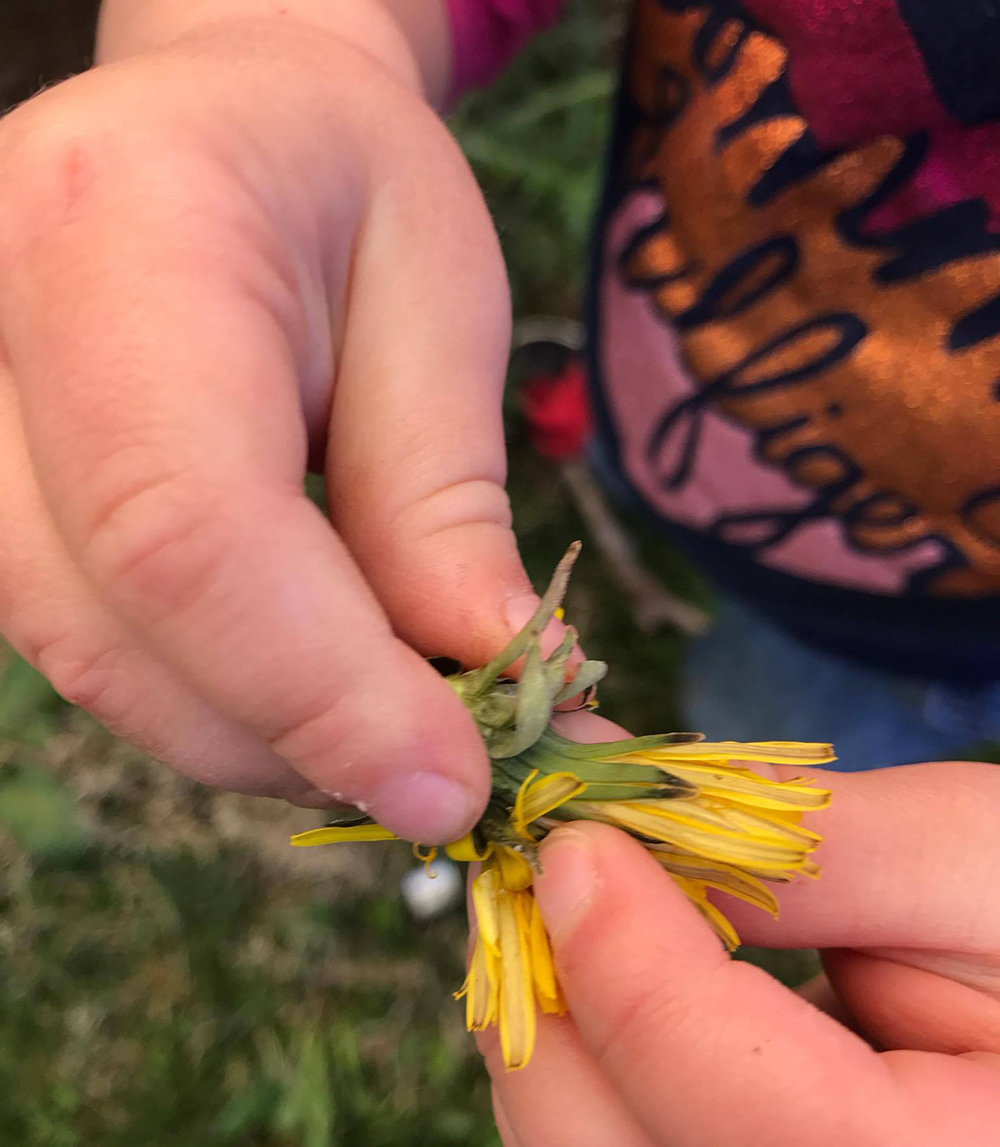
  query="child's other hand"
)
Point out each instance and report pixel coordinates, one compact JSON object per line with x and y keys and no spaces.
{"x":218,"y":259}
{"x":671,"y":1044}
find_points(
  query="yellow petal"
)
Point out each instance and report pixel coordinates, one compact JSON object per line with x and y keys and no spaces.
{"x":711,"y":780}
{"x":465,"y":849}
{"x":426,"y":856}
{"x":727,"y":818}
{"x":714,"y":874}
{"x":538,"y":797}
{"x":481,"y":989}
{"x":335,"y":835}
{"x":517,"y":1000}
{"x":705,"y":839}
{"x":484,"y":899}
{"x":695,"y":892}
{"x":550,"y":998}
{"x":762,"y":824}
{"x":514,"y":871}
{"x":769,"y":752}
{"x":517,"y":818}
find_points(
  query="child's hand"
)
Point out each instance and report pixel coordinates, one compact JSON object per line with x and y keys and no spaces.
{"x":672,"y":1044}
{"x":217,"y":259}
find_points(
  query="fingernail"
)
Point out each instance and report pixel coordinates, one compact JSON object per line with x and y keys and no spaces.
{"x":426,"y":807}
{"x":565,"y":889}
{"x":313,"y":798}
{"x":520,"y":610}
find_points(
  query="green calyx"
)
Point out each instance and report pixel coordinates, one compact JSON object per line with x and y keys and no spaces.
{"x":513,"y":716}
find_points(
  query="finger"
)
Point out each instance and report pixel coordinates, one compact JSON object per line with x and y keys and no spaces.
{"x":504,"y":1128}
{"x":909,"y":860}
{"x":157,"y":353}
{"x":955,"y":1099}
{"x":921,"y":1001}
{"x":561,"y":1096}
{"x":915,"y":909}
{"x":416,"y":458}
{"x":53,"y":619}
{"x":701,"y":1048}
{"x":819,"y":992}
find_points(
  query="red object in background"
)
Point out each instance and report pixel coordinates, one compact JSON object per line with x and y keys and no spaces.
{"x":557,"y":408}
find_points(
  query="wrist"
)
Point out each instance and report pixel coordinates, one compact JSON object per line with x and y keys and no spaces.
{"x":409,"y":38}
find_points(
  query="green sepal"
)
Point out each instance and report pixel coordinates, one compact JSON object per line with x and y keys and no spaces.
{"x":534,"y":708}
{"x":351,"y":820}
{"x":603,"y":750}
{"x":478,"y":680}
{"x":555,"y":664}
{"x":506,"y":782}
{"x":674,"y":789}
{"x":588,"y":674}
{"x":495,"y":825}
{"x":601,"y":773}
{"x":548,"y":755}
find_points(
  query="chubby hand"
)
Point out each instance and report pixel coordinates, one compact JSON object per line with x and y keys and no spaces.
{"x":669,"y":1043}
{"x":220,"y":259}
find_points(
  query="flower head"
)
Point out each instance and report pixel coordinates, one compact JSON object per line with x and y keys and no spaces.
{"x":713,"y":825}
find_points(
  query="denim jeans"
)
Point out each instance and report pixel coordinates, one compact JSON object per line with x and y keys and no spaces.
{"x":748,"y":680}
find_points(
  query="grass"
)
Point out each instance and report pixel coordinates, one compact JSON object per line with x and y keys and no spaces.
{"x":170,"y":971}
{"x":536,"y":141}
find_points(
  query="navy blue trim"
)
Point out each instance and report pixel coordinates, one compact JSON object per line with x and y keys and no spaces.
{"x":960,"y":45}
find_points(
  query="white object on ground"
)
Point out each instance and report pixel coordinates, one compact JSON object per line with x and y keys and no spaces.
{"x":432,"y":890}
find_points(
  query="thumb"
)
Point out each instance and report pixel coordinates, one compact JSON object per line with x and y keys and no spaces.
{"x":702,"y":1049}
{"x":416,"y":461}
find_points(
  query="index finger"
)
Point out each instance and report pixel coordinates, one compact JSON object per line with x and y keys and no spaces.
{"x":910,"y":859}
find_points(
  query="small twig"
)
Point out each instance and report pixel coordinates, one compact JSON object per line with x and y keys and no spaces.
{"x":652,"y":604}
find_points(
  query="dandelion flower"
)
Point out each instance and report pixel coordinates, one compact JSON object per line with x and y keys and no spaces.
{"x":713,"y":825}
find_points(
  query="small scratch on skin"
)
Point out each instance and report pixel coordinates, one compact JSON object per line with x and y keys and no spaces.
{"x":78,"y":171}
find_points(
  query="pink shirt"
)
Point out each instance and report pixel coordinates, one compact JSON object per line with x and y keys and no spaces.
{"x":795,"y":317}
{"x":487,"y":33}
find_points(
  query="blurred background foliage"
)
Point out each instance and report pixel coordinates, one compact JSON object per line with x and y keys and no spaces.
{"x":170,"y":970}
